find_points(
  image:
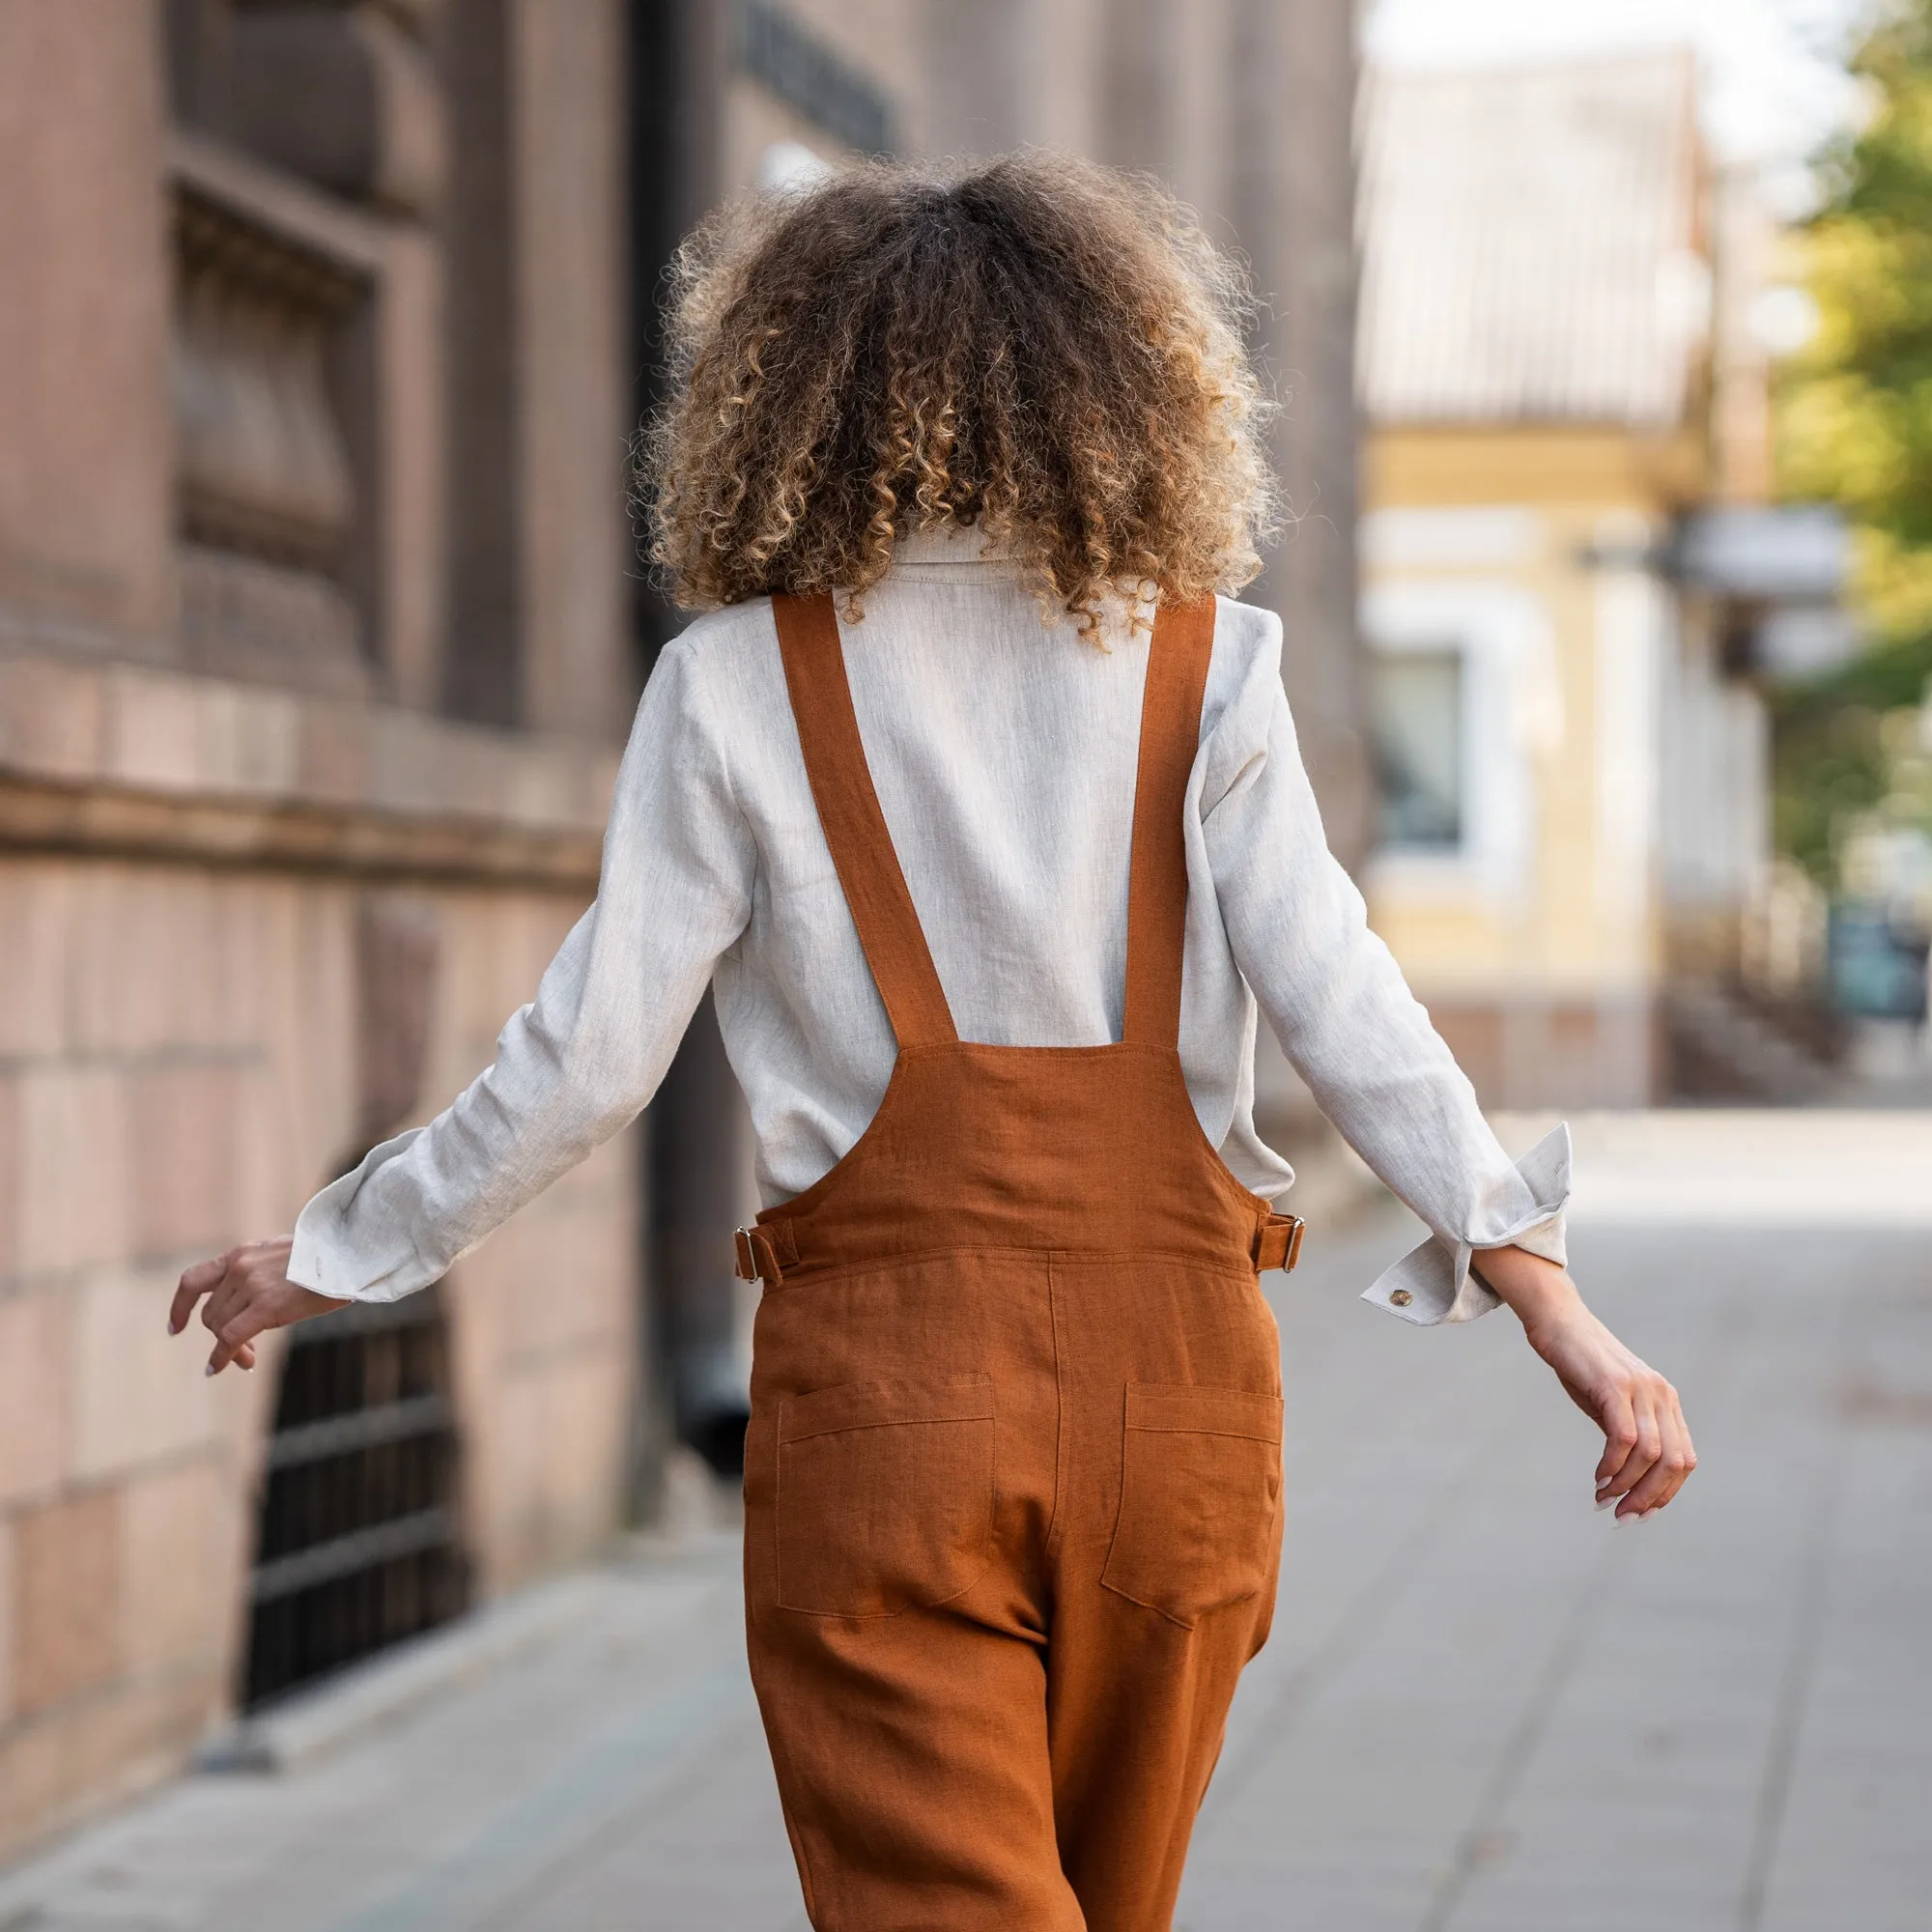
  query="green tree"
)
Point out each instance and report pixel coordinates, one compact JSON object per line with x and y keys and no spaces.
{"x":1835,"y":760}
{"x":1855,"y":426}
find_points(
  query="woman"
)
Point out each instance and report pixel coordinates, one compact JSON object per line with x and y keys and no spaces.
{"x":989,"y":903}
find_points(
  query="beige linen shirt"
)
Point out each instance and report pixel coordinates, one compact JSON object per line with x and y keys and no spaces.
{"x":1004,"y":752}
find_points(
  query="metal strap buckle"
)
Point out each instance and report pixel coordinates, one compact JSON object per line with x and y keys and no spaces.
{"x":748,"y":1256}
{"x":1278,"y":1242}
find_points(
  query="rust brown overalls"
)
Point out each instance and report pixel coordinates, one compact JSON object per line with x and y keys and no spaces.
{"x":1013,"y":1475}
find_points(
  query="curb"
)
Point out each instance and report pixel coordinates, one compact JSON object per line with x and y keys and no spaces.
{"x":308,"y":1724}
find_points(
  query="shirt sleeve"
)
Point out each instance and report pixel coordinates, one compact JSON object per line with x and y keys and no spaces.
{"x":585,"y":1056}
{"x":1351,"y":1027}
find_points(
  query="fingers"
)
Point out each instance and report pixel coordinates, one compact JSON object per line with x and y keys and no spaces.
{"x":231,"y":1294}
{"x":1641,"y":1441}
{"x":1618,"y":1417}
{"x":1643,"y":1453}
{"x":233,"y":1337}
{"x":195,"y":1282}
{"x":254,"y":1293}
{"x":211,"y":1278}
{"x":1675,"y":1461}
{"x":1647,"y":1452}
{"x":231,"y":1289}
{"x":235,"y":1314}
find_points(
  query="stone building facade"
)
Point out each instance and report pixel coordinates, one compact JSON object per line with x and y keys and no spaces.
{"x":314,"y":651}
{"x":322,"y":328}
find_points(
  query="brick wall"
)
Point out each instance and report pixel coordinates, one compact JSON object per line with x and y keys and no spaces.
{"x":179,"y":1070}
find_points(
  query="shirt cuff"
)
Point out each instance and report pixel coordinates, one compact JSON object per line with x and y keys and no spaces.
{"x":370,"y":1264}
{"x":1432,"y":1283}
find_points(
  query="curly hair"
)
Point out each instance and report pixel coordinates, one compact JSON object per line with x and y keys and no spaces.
{"x":1041,"y":348}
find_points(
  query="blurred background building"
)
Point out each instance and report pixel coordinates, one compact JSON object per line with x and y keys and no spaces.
{"x":323,"y":331}
{"x":1574,"y":583}
{"x":314,"y":654}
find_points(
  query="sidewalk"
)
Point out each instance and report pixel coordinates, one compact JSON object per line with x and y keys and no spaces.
{"x":1483,"y":1710}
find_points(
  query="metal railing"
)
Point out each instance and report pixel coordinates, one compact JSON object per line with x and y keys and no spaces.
{"x":358,"y":1543}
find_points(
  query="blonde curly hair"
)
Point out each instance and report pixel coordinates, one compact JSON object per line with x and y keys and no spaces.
{"x":1042,"y":349}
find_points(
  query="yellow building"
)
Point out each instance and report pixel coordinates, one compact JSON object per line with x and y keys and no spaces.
{"x":1571,"y":762}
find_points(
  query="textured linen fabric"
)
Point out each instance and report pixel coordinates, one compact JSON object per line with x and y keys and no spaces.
{"x":1012,"y":1470}
{"x":1004,"y":749}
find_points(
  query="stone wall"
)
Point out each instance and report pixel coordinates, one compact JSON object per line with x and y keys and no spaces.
{"x":233,"y":523}
{"x":180,"y":1066}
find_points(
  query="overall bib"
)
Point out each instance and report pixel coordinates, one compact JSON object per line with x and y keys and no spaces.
{"x":1012,"y":1480}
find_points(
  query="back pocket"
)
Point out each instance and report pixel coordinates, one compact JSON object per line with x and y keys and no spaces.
{"x":885,"y":1495}
{"x":1200,"y":1498}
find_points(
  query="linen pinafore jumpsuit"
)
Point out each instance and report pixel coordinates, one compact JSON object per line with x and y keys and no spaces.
{"x":1013,"y":1472}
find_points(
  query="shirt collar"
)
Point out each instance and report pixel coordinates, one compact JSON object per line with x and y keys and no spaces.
{"x":947,"y":545}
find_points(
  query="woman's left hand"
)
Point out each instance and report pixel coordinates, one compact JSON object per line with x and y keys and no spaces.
{"x":248,"y":1291}
{"x":1647,"y":1453}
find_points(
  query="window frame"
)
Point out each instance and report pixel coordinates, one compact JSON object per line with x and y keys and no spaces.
{"x":1511,"y":714}
{"x":1452,"y":650}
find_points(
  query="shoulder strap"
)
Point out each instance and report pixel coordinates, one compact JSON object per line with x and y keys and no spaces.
{"x":1176,"y":676}
{"x":855,"y":828}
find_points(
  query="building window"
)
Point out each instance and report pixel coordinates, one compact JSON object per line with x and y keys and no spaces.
{"x":1417,"y":705}
{"x":357,"y":1543}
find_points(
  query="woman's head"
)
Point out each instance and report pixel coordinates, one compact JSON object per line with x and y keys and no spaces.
{"x":1042,"y":349}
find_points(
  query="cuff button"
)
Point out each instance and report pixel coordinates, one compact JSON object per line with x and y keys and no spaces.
{"x":1401,"y":1296}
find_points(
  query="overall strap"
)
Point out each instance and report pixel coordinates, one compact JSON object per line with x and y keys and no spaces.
{"x":855,"y":828}
{"x":1176,"y":676}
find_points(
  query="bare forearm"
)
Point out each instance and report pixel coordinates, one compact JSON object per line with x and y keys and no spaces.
{"x":1537,"y":1290}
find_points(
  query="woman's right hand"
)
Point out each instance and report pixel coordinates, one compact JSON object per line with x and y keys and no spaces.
{"x":1647,"y":1453}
